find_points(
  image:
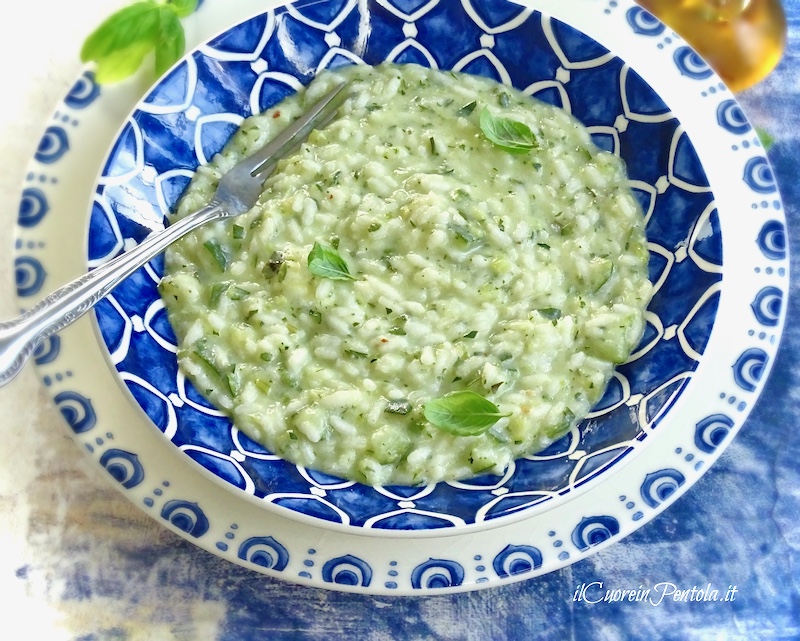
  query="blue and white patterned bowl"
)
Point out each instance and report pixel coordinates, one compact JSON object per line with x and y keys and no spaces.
{"x":643,"y":109}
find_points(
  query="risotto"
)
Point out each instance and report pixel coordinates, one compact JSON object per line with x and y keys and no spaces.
{"x":438,"y":282}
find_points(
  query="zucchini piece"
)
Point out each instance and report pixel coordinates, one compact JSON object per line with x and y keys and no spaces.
{"x":598,"y":274}
{"x":389,"y":445}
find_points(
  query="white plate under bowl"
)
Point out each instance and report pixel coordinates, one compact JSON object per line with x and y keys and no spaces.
{"x":724,"y":385}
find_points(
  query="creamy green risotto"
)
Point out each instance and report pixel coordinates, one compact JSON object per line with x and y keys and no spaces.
{"x":438,"y":282}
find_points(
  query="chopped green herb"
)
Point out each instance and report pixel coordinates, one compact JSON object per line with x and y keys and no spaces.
{"x":234,"y":382}
{"x":218,"y":253}
{"x":238,"y":232}
{"x":550,"y":313}
{"x":238,"y":293}
{"x":206,"y":354}
{"x":504,"y":99}
{"x":217,"y":289}
{"x":467,"y":109}
{"x":471,"y":334}
{"x":463,"y":232}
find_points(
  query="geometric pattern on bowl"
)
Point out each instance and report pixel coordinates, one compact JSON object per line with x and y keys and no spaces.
{"x":189,"y":115}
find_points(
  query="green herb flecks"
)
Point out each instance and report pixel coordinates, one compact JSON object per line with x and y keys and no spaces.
{"x":218,"y":253}
{"x":327,"y":263}
{"x":217,"y":289}
{"x":550,"y":313}
{"x":206,"y":354}
{"x":463,"y":232}
{"x":462,"y":413}
{"x":511,"y":135}
{"x":238,"y":293}
{"x":467,"y":109}
{"x":122,"y":41}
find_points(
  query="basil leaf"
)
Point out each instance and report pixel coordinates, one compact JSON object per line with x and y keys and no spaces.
{"x":462,"y":413}
{"x":130,"y":25}
{"x":171,"y":40}
{"x":120,"y":64}
{"x":121,"y":42}
{"x":182,"y":8}
{"x":511,"y":135}
{"x":327,"y":263}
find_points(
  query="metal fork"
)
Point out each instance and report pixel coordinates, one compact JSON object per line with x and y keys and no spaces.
{"x":236,"y":193}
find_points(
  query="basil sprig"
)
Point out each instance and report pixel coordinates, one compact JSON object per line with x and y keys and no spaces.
{"x":326,"y":262}
{"x":513,"y":136}
{"x":121,"y":42}
{"x":463,"y":413}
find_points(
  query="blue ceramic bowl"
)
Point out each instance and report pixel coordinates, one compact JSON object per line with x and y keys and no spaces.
{"x":189,"y":115}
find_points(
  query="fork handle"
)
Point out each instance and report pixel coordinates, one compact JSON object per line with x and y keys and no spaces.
{"x":20,"y":337}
